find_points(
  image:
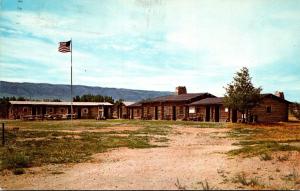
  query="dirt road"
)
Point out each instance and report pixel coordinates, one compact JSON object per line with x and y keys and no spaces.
{"x":193,"y":155}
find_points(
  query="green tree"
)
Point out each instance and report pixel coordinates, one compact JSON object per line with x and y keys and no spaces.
{"x":4,"y":106}
{"x":241,"y":95}
{"x":93,"y":98}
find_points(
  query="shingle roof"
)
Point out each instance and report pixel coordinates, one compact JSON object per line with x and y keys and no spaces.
{"x":63,"y":103}
{"x":174,"y":98}
{"x":209,"y":101}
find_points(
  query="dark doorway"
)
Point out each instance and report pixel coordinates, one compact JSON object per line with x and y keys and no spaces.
{"x":174,"y":113}
{"x":217,"y":113}
{"x":69,"y":110}
{"x":79,"y":113}
{"x":105,"y":112}
{"x":207,"y":115}
{"x":43,"y":110}
{"x":120,"y":112}
{"x":33,"y":110}
{"x":156,"y":113}
{"x":234,"y":116}
{"x":131,"y":113}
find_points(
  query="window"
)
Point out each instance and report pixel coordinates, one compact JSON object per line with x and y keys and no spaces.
{"x":269,"y":109}
{"x":191,"y":109}
{"x":197,"y":109}
{"x":85,"y":110}
{"x":138,"y":111}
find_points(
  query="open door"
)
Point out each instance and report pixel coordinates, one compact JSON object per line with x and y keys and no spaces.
{"x":132,"y":117}
{"x":174,"y":113}
{"x":33,"y":110}
{"x":79,"y":113}
{"x":105,"y":112}
{"x":43,"y":110}
{"x":207,"y":113}
{"x":234,"y":116}
{"x":217,"y":113}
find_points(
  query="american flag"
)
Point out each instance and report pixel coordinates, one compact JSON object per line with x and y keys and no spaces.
{"x":64,"y":47}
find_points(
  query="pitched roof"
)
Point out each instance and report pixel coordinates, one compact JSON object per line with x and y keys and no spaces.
{"x":136,"y":104}
{"x":181,"y":97}
{"x":63,"y":103}
{"x":209,"y":101}
{"x":219,"y":100}
{"x":269,"y":95}
{"x":127,"y":103}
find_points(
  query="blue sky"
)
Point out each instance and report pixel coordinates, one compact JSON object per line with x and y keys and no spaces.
{"x":153,"y":45}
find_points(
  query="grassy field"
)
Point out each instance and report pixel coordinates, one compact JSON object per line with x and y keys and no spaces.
{"x":264,"y":139}
{"x":93,"y":124}
{"x":46,"y":142}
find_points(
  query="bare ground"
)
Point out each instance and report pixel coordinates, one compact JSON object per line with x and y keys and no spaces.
{"x":193,"y":155}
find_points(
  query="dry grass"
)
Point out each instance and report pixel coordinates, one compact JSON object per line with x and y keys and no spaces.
{"x":263,"y":139}
{"x":31,"y":146}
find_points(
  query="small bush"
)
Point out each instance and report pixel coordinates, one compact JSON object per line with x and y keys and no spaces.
{"x":205,"y":185}
{"x":265,"y":157}
{"x":242,"y":179}
{"x":18,"y":171}
{"x":15,"y":160}
{"x":283,"y":158}
{"x":179,"y":186}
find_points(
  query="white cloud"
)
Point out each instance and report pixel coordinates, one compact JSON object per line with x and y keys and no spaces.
{"x":150,"y":44}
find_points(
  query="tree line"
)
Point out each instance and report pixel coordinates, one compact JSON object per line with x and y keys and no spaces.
{"x":93,"y":98}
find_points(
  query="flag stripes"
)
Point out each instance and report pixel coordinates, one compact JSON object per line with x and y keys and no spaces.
{"x":64,"y":47}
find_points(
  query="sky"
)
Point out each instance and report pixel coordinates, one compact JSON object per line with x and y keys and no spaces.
{"x":153,"y":45}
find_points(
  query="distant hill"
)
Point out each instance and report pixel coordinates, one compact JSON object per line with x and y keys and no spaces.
{"x":60,"y":91}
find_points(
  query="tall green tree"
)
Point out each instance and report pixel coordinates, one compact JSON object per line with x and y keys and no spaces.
{"x":241,"y":95}
{"x":93,"y":98}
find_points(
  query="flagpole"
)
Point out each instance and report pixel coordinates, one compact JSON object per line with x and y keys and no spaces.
{"x":71,"y":83}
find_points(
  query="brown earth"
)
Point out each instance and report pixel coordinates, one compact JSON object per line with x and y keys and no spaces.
{"x":193,"y":155}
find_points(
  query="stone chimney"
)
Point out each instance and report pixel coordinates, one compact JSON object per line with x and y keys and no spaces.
{"x":279,"y":94}
{"x":180,"y":90}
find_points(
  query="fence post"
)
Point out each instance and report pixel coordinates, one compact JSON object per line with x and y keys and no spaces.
{"x":3,"y":137}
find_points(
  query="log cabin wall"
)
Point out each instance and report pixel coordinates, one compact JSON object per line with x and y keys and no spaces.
{"x":16,"y":111}
{"x":137,"y":113}
{"x":86,"y":111}
{"x":164,"y":110}
{"x":271,"y":110}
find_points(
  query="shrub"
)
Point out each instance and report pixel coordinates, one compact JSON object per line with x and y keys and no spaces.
{"x":15,"y":160}
{"x":283,"y":158}
{"x":242,"y":179}
{"x":265,"y":156}
{"x":18,"y":171}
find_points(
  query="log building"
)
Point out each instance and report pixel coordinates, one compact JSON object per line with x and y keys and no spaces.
{"x":121,"y":110}
{"x":58,"y":110}
{"x":271,"y":109}
{"x":172,"y":107}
